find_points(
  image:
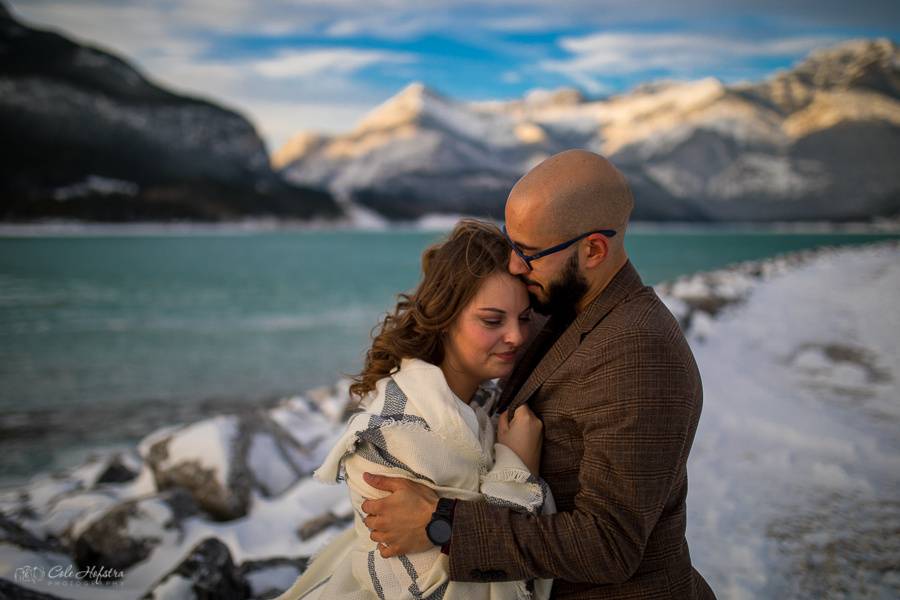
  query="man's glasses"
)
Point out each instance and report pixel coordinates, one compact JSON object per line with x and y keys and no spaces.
{"x":526,"y":258}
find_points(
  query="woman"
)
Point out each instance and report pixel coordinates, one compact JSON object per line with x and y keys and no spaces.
{"x":426,"y":392}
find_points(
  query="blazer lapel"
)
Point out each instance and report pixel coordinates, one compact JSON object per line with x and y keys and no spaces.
{"x":558,"y":352}
{"x":620,"y":286}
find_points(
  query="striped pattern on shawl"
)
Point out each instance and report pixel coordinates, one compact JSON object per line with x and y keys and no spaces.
{"x":415,"y":427}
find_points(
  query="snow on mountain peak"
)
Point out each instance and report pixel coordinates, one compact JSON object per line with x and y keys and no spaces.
{"x":873,"y":64}
{"x":298,"y":146}
{"x":680,"y":92}
{"x":654,"y":108}
{"x":404,"y":108}
{"x":558,"y":97}
{"x":417,"y":89}
{"x":856,"y":52}
{"x":419,"y":105}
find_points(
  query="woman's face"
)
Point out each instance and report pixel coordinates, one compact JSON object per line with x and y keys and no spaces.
{"x":483,"y":342}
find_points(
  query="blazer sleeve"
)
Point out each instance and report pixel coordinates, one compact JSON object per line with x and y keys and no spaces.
{"x":635,"y":442}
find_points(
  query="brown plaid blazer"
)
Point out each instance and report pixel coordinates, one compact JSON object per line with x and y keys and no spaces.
{"x":620,"y":397}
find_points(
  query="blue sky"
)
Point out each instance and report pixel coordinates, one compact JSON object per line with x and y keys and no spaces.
{"x":322,"y":64}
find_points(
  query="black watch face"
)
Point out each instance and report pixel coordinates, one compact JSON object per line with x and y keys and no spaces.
{"x":439,"y":532}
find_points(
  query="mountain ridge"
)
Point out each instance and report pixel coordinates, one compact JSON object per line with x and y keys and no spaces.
{"x":697,"y":150}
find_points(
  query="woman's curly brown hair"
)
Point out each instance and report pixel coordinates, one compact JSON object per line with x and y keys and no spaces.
{"x":452,"y":273}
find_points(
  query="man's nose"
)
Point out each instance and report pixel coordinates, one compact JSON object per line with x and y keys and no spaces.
{"x":516,"y":265}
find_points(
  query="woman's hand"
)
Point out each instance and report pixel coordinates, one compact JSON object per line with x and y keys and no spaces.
{"x":523,"y":434}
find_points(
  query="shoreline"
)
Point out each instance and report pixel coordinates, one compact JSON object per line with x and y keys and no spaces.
{"x":436,"y":223}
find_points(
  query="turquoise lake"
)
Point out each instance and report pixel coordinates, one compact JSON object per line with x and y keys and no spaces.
{"x":105,"y":337}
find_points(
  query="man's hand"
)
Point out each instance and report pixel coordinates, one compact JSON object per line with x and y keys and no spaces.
{"x":398,"y":521}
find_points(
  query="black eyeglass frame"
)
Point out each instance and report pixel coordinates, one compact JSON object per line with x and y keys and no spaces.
{"x":527,"y":258}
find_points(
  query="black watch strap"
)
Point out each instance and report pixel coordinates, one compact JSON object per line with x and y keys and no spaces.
{"x":440,"y":526}
{"x":444,"y":509}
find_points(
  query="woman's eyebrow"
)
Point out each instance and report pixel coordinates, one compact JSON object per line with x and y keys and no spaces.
{"x":492,"y":309}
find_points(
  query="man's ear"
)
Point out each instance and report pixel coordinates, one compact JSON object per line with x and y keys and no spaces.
{"x":597,"y":250}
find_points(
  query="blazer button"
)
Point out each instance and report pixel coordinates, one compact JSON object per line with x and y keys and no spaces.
{"x":488,"y":574}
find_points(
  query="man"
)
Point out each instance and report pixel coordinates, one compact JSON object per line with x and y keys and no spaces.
{"x":616,"y":386}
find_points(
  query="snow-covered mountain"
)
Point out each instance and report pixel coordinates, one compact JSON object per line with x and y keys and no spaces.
{"x":816,"y":142}
{"x":87,"y":136}
{"x":419,"y":144}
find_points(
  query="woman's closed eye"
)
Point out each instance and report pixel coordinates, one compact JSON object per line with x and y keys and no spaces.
{"x":492,"y":322}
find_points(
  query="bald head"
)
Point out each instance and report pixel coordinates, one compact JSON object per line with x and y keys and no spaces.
{"x":570,"y":193}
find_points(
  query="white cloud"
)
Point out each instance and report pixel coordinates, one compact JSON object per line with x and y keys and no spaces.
{"x":309,"y":63}
{"x":615,"y":54}
{"x":391,"y":25}
{"x":533,"y":22}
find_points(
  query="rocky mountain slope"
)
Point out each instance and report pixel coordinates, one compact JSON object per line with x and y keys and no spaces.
{"x":817,"y":142}
{"x":86,"y":136}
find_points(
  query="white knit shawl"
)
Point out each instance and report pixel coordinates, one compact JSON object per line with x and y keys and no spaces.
{"x":415,"y":427}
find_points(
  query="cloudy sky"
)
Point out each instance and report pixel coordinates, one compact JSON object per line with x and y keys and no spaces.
{"x":322,"y":64}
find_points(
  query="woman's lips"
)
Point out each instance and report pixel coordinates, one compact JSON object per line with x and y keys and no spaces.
{"x":507,"y":356}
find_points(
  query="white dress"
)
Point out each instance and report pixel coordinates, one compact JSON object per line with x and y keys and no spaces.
{"x":415,"y":427}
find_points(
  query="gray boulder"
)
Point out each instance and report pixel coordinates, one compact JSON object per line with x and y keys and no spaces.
{"x":221,"y":461}
{"x":128,"y":533}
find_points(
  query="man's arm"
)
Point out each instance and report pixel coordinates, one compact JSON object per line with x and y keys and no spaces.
{"x":397,"y":521}
{"x":635,"y":435}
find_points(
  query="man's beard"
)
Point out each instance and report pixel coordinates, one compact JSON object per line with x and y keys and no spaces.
{"x":564,"y":293}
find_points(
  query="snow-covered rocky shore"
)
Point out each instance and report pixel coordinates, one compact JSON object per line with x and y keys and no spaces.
{"x":794,"y":476}
{"x":795,"y":471}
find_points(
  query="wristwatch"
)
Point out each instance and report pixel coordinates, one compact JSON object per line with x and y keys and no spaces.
{"x":441,"y":525}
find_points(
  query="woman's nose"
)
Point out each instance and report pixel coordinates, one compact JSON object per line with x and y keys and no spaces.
{"x":514,"y":334}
